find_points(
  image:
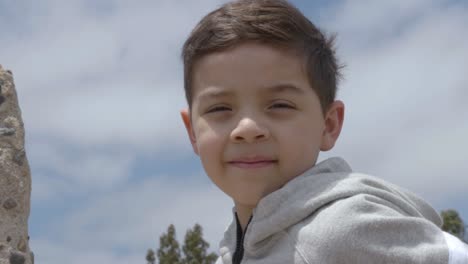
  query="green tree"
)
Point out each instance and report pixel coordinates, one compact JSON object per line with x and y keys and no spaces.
{"x":150,"y":258}
{"x":169,"y":250}
{"x":453,"y":224}
{"x":195,"y":248}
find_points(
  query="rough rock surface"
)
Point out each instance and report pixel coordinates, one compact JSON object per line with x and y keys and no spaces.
{"x":15,"y":178}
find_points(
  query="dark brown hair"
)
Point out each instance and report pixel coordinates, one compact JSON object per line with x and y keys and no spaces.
{"x":273,"y":22}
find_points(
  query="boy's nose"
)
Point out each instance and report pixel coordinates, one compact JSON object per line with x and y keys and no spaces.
{"x":248,"y":130}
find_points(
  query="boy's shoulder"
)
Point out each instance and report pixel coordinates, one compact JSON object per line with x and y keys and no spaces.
{"x":365,"y":219}
{"x":365,"y":228}
{"x":333,"y":181}
{"x":333,"y":215}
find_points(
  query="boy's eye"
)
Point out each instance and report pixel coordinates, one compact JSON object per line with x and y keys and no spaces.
{"x":282,"y":105}
{"x":218,"y":108}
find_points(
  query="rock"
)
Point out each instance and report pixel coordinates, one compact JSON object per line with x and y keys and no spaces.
{"x":15,"y":178}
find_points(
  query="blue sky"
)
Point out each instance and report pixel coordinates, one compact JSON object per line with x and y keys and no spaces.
{"x":100,"y":87}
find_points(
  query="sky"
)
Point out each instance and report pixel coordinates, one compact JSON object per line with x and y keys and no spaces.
{"x":100,"y":86}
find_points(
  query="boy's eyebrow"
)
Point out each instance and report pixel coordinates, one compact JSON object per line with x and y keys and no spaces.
{"x":284,"y":87}
{"x":213,"y":93}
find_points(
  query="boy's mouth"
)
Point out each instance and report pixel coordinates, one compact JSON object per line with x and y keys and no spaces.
{"x":252,"y":162}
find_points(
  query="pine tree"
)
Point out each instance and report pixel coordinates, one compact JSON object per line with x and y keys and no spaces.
{"x":169,"y":250}
{"x":195,"y":248}
{"x":150,"y":258}
{"x":453,"y":223}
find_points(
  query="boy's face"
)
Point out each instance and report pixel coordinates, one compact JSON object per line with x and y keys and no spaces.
{"x":255,"y":121}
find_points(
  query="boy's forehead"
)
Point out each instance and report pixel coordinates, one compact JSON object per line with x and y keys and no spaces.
{"x":246,"y":57}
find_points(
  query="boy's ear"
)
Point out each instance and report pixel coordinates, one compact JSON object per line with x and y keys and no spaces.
{"x":333,"y":123}
{"x":185,"y":114}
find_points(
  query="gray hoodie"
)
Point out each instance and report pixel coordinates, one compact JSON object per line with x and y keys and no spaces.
{"x":331,"y":215}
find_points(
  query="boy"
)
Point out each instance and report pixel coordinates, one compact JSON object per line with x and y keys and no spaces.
{"x":260,"y":82}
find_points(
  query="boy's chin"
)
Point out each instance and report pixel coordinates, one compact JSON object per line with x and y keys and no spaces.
{"x":250,"y":199}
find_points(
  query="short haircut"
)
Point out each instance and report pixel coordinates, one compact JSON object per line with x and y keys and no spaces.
{"x":272,"y":22}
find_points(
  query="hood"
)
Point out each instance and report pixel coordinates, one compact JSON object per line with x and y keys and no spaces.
{"x":328,"y":181}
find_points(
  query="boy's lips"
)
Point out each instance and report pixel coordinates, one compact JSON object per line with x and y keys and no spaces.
{"x":252,"y":162}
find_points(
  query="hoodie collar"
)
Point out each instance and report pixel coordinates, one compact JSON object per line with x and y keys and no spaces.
{"x":292,"y":203}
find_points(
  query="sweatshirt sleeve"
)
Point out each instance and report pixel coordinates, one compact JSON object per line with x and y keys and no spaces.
{"x":458,"y":251}
{"x":369,"y":229}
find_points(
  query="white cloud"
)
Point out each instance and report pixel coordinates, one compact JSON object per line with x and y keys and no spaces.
{"x":404,"y":95}
{"x":62,"y":171}
{"x":116,"y":115}
{"x":366,"y":24}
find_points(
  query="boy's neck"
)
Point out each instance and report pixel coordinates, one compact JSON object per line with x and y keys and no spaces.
{"x":243,"y":214}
